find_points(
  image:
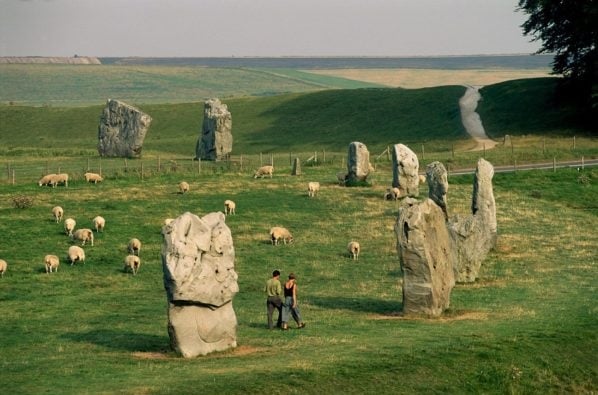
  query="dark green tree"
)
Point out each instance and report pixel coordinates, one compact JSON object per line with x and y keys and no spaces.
{"x":569,"y":30}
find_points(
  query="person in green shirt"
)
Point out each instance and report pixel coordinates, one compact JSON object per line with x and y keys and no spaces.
{"x":274,"y":301}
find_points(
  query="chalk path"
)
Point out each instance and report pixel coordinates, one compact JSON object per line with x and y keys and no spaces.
{"x":471,"y":119}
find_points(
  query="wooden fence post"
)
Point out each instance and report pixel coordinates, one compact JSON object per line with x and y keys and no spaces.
{"x":573,"y":142}
{"x":159,"y":164}
{"x":13,"y":176}
{"x":423,"y":152}
{"x":324,"y":156}
{"x":198,"y":166}
{"x":87,"y":164}
{"x":388,"y":153}
{"x":126,"y":166}
{"x":271,"y":159}
{"x":554,"y":164}
{"x":261,"y":160}
{"x":100,"y":166}
{"x":241,"y":162}
{"x":582,"y":163}
{"x":141,"y":174}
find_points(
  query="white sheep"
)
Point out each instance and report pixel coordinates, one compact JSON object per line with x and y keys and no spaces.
{"x":75,"y":254}
{"x":167,"y":221}
{"x":229,"y":207}
{"x":57,"y":212}
{"x":99,"y":223}
{"x":392,"y":194}
{"x":354,"y":248}
{"x":69,"y":226}
{"x":51,"y":262}
{"x":93,"y":177}
{"x":313,"y":188}
{"x":422,"y":179}
{"x":278,"y":233}
{"x":3,"y":267}
{"x":183,"y":187}
{"x":84,"y":235}
{"x":132,"y":262}
{"x":134,"y":246}
{"x":341,"y":176}
{"x":264,"y":171}
{"x":46,"y":180}
{"x":61,"y":178}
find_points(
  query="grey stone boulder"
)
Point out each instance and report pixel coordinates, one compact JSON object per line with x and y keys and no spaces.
{"x":437,"y":180}
{"x":358,"y":163}
{"x":216,"y":139}
{"x":200,"y":282}
{"x":122,"y":130}
{"x":405,"y":168}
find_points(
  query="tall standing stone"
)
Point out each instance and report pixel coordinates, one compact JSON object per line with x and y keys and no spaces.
{"x":296,"y":170}
{"x":405,"y":168}
{"x":122,"y":130}
{"x":358,"y":162}
{"x":200,"y":282}
{"x":437,"y":179}
{"x":216,"y":139}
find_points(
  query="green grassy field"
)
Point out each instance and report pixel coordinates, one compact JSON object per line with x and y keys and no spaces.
{"x":528,"y":325}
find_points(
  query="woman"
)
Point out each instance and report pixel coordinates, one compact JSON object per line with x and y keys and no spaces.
{"x":290,"y":303}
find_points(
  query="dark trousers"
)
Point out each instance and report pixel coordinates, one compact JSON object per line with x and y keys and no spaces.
{"x":274,"y":302}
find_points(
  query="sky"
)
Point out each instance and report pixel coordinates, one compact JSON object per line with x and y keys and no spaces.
{"x":225,"y":28}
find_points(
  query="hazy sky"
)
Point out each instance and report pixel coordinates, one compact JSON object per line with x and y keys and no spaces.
{"x":261,"y":28}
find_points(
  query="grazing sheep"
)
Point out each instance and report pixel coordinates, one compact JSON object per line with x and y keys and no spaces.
{"x":3,"y":267}
{"x":264,"y":171}
{"x":51,"y":262}
{"x":132,"y":262}
{"x":229,"y":207}
{"x":84,"y":235}
{"x":99,"y":223}
{"x":341,"y":176}
{"x":167,"y":221}
{"x":61,"y":178}
{"x":93,"y":177}
{"x":46,"y":180}
{"x":353,"y":247}
{"x":69,"y":226}
{"x":134,"y":246}
{"x":75,"y":254}
{"x":392,"y":194}
{"x":184,"y":187}
{"x":57,"y":212}
{"x":277,"y":233}
{"x":313,"y":188}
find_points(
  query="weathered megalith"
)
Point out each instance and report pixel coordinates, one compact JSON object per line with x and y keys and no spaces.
{"x":200,"y":281}
{"x":405,"y":168}
{"x":437,"y":179}
{"x":426,"y":256}
{"x":216,"y":139}
{"x":296,"y":170}
{"x":358,"y":163}
{"x":475,"y":235}
{"x":122,"y":130}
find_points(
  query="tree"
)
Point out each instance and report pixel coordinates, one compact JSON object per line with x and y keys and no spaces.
{"x":569,"y":29}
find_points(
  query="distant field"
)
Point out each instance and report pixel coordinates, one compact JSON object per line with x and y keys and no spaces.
{"x":422,"y":78}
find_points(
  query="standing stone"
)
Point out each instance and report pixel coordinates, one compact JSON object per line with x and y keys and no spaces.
{"x":122,"y":130}
{"x":200,"y":281}
{"x":405,"y":168}
{"x":296,"y":171}
{"x":437,"y":179}
{"x":216,"y":140}
{"x":475,"y":235}
{"x":426,"y":256}
{"x":358,"y":163}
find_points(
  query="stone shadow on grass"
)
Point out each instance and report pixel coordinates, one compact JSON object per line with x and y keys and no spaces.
{"x":122,"y":340}
{"x":366,"y":305}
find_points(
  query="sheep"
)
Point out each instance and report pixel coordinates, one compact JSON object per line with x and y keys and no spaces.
{"x":183,"y":187}
{"x":167,"y":221}
{"x":134,"y":246}
{"x":313,"y":188}
{"x":3,"y":267}
{"x":99,"y":223}
{"x":392,"y":194}
{"x":132,"y":262}
{"x":93,"y":177}
{"x":229,"y":207}
{"x":341,"y":176}
{"x":61,"y":178}
{"x":354,"y":248}
{"x":277,"y":233}
{"x":422,"y":179}
{"x":264,"y":171}
{"x":46,"y":180}
{"x":75,"y":254}
{"x":84,"y":235}
{"x":57,"y":212}
{"x":69,"y":226}
{"x":51,"y":262}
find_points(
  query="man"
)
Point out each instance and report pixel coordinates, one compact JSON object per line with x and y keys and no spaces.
{"x":274,"y":293}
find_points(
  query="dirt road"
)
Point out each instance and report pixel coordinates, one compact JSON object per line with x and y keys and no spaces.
{"x":471,"y":119}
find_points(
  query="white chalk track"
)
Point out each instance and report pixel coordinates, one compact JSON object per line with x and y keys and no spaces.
{"x":471,"y":119}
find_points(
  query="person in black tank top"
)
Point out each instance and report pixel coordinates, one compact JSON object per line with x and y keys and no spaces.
{"x":290,"y":306}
